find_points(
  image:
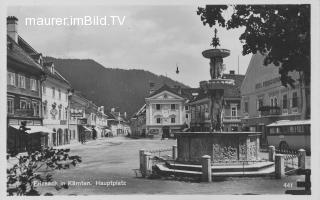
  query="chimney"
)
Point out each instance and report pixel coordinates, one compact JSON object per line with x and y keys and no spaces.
{"x":12,"y":27}
{"x":232,"y":72}
{"x":102,"y":109}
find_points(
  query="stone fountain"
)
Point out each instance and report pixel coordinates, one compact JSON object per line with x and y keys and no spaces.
{"x":215,"y":87}
{"x":221,"y":146}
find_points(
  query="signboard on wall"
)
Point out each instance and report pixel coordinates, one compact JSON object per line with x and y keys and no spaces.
{"x":76,"y":113}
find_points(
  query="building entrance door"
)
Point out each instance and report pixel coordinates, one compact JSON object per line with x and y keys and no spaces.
{"x":54,"y":139}
{"x":60,"y":137}
{"x":165,"y":132}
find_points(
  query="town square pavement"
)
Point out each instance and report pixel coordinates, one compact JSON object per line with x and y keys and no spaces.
{"x":112,"y":160}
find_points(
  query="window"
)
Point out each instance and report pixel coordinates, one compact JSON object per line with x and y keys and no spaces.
{"x":73,"y":134}
{"x":285,"y":101}
{"x":158,"y":107}
{"x":45,"y":110}
{"x":173,"y":120}
{"x":66,"y":113}
{"x":35,"y":107}
{"x":59,"y":114}
{"x":23,"y":104}
{"x":259,"y":103}
{"x":21,"y":81}
{"x":246,"y":107}
{"x":28,"y":105}
{"x":271,"y":102}
{"x":53,"y":92}
{"x":158,"y":120}
{"x":59,"y":94}
{"x":234,"y":111}
{"x":33,"y":84}
{"x":173,"y":106}
{"x":187,"y":116}
{"x":44,"y":89}
{"x":294,"y":99}
{"x":11,"y":79}
{"x":275,"y":101}
{"x":186,"y":107}
{"x":10,"y":105}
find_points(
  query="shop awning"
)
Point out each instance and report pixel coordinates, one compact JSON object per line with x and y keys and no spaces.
{"x":107,"y":130}
{"x":86,"y":128}
{"x":34,"y":129}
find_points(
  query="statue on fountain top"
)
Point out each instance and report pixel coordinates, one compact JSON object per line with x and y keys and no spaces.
{"x":215,"y":40}
{"x":216,"y":63}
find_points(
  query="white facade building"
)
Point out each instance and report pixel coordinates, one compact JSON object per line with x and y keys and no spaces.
{"x":165,"y":112}
{"x":55,"y":104}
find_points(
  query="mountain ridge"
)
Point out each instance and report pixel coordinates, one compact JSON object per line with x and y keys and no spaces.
{"x":110,"y":87}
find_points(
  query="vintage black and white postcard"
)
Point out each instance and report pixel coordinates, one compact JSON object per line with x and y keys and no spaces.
{"x":160,"y":98}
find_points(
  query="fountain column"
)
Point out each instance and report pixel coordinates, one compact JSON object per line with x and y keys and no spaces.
{"x":215,"y":87}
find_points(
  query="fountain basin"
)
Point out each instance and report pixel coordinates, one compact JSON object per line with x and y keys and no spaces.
{"x":210,"y":53}
{"x":216,"y":84}
{"x":223,"y":147}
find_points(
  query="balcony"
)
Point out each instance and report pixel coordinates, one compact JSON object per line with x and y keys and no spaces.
{"x":231,"y":118}
{"x":270,"y":110}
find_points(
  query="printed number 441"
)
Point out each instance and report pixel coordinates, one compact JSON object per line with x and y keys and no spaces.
{"x":287,"y":185}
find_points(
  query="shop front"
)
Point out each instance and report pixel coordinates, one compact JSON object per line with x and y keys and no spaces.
{"x":34,"y":138}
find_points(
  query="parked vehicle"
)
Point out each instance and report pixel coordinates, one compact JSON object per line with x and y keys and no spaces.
{"x":289,"y":134}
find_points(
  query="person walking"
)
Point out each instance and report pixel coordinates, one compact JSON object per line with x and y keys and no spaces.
{"x":83,"y":138}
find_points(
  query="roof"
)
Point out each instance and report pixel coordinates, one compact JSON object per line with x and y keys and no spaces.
{"x":289,"y":123}
{"x":115,"y":116}
{"x":165,"y":87}
{"x":179,"y":91}
{"x":18,"y":54}
{"x":234,"y":90}
{"x":56,"y":75}
{"x":231,"y":91}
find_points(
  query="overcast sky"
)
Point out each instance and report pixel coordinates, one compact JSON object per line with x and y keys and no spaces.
{"x":153,"y":38}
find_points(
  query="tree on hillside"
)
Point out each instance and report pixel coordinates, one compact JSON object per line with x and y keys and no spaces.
{"x":279,"y":32}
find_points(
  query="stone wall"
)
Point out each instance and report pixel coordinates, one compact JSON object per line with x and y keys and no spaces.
{"x":222,"y":147}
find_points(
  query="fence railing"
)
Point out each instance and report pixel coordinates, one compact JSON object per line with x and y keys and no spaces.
{"x":287,"y":161}
{"x":291,"y":160}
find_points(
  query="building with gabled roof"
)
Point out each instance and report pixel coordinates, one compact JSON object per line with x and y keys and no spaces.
{"x":24,"y":98}
{"x":55,"y":105}
{"x":200,"y":105}
{"x":165,"y":111}
{"x":265,"y":100}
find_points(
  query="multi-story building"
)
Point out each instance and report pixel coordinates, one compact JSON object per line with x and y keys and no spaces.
{"x":118,"y":123}
{"x":24,"y":78}
{"x":265,"y":100}
{"x":101,"y":123}
{"x":165,"y":111}
{"x":55,"y":105}
{"x":200,"y":105}
{"x":78,"y":122}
